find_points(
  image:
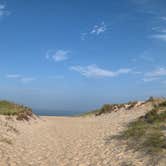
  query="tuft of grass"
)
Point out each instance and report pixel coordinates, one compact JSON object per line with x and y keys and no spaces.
{"x":21,"y":112}
{"x":132,"y":104}
{"x":94,"y":112}
{"x":163,"y":104}
{"x":155,"y":141}
{"x":108,"y":108}
{"x":146,"y":132}
{"x":135,"y":130}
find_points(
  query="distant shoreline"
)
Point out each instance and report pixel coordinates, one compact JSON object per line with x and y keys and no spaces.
{"x":57,"y":113}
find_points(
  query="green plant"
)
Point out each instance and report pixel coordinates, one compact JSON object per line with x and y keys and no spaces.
{"x":11,"y":109}
{"x":146,"y":132}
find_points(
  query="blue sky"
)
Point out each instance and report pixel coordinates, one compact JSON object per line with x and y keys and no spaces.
{"x":76,"y":55}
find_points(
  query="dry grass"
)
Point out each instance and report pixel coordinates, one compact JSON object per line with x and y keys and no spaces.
{"x":146,"y":133}
{"x":10,"y":109}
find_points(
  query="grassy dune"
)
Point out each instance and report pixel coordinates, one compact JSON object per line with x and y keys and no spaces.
{"x":108,"y":108}
{"x":11,"y":109}
{"x":147,"y":132}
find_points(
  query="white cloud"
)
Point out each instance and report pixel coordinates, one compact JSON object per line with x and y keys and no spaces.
{"x":95,"y":71}
{"x":3,"y":10}
{"x":2,"y":7}
{"x":163,"y":31}
{"x":150,"y":79}
{"x":163,"y":18}
{"x":57,"y":56}
{"x":14,"y":76}
{"x":98,"y":29}
{"x":27,"y":79}
{"x":136,"y":72}
{"x":145,"y":56}
{"x":83,"y":36}
{"x":160,"y":36}
{"x":20,"y":78}
{"x":157,"y":72}
{"x":160,"y":31}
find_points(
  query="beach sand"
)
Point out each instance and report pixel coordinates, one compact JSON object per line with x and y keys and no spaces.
{"x":68,"y":141}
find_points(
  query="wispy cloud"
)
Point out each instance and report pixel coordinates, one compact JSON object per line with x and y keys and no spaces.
{"x":83,"y":36}
{"x":156,"y":74}
{"x":99,"y":29}
{"x":57,"y":56}
{"x":159,"y":36}
{"x":20,"y":78}
{"x":163,"y":18}
{"x":150,"y":79}
{"x":160,"y":32}
{"x":97,"y":72}
{"x":159,"y":29}
{"x":96,"y":30}
{"x":27,"y":79}
{"x":14,"y":76}
{"x":3,"y":10}
{"x":145,"y":56}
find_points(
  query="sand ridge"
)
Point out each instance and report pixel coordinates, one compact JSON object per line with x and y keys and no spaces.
{"x":70,"y":141}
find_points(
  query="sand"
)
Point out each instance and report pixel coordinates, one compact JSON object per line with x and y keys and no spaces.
{"x":68,"y":141}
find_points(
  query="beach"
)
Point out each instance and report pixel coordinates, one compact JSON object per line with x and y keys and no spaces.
{"x":69,"y":141}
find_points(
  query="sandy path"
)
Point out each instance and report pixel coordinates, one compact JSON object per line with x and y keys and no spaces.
{"x":66,"y":141}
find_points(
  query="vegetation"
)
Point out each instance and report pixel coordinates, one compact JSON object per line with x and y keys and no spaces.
{"x":147,"y":132}
{"x":11,"y":109}
{"x":108,"y":108}
{"x":94,"y":112}
{"x":132,"y":104}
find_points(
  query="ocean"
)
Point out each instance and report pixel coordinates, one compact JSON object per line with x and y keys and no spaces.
{"x":56,"y":113}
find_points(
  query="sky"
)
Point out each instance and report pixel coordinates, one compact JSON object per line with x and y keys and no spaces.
{"x":73,"y":56}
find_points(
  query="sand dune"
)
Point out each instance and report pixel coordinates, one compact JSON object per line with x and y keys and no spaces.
{"x":68,"y":141}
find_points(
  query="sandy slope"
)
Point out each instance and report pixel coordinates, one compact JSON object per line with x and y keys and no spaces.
{"x":68,"y":141}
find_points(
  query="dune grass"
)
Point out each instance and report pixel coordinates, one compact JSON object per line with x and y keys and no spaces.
{"x":147,"y":132}
{"x":21,"y":112}
{"x":108,"y":108}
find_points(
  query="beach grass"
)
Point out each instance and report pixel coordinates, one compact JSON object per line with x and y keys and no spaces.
{"x":11,"y":109}
{"x":147,"y":132}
